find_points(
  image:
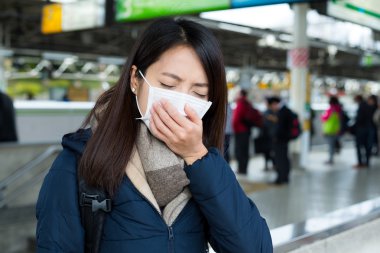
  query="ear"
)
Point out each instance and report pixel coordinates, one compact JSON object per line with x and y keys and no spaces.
{"x":134,"y":80}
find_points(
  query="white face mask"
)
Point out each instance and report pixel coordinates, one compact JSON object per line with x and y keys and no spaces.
{"x":177,"y":99}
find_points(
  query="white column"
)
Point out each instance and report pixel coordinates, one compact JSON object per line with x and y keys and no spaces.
{"x":3,"y":81}
{"x":299,"y":100}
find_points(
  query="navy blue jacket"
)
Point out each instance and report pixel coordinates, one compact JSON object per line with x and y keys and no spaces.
{"x":219,"y":212}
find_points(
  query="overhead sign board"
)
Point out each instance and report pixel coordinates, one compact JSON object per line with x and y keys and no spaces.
{"x":364,"y":12}
{"x":132,"y":10}
{"x":250,"y":3}
{"x":80,"y":15}
{"x":51,"y":18}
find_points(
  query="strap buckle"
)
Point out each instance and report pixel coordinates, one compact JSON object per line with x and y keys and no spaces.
{"x":96,"y":205}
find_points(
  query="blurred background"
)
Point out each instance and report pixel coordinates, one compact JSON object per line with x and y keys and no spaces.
{"x":57,"y":57}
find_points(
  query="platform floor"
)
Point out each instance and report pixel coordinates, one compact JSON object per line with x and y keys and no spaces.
{"x":314,"y":191}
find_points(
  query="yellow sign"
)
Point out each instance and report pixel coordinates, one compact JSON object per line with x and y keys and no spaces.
{"x":51,"y":18}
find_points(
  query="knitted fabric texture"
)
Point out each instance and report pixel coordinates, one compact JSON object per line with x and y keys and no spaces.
{"x":163,"y":168}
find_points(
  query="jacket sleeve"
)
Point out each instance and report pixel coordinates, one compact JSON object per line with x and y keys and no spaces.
{"x":234,"y":221}
{"x":59,"y":226}
{"x":326,"y":115}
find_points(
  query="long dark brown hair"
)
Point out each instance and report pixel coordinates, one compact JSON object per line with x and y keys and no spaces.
{"x":109,"y":149}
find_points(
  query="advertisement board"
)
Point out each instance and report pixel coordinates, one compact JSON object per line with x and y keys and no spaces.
{"x":250,"y":3}
{"x":51,"y":18}
{"x":365,"y":13}
{"x":74,"y":16}
{"x":130,"y":10}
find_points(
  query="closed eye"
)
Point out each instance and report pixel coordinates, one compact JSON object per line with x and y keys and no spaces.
{"x":167,"y":86}
{"x":200,"y":95}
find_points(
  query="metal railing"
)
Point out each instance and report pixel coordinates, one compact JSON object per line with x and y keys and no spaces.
{"x":22,"y":171}
{"x":293,"y":236}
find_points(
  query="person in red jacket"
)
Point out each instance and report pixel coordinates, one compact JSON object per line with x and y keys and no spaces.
{"x":244,"y":117}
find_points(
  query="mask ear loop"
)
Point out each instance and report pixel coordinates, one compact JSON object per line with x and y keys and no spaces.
{"x":145,"y":79}
{"x":137,"y":102}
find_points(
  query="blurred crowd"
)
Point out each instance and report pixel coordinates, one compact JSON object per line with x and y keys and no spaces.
{"x":278,"y":125}
{"x":364,"y":128}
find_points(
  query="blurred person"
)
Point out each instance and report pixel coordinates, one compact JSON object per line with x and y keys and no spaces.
{"x":65,"y":97}
{"x":8,"y":132}
{"x":344,"y":128}
{"x":374,"y":141}
{"x":156,"y":157}
{"x":284,"y":124}
{"x":361,"y":129}
{"x":30,"y":96}
{"x":376,"y":120}
{"x":331,"y":125}
{"x":228,"y":133}
{"x":267,"y":136}
{"x":243,"y":119}
{"x":312,"y":127}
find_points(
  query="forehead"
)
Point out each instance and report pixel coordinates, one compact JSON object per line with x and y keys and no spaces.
{"x":183,"y":61}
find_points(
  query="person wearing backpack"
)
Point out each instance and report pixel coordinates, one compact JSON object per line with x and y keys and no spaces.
{"x":283,"y":135}
{"x":155,"y":149}
{"x":331,"y":125}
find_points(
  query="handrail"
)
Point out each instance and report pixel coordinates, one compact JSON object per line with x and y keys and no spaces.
{"x":293,"y":236}
{"x":19,"y":191}
{"x":15,"y":175}
{"x":29,"y":166}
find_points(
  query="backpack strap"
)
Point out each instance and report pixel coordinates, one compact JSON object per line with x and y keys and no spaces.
{"x":94,"y":204}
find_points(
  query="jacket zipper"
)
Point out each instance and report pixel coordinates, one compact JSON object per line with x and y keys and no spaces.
{"x":170,"y":228}
{"x":171,"y":235}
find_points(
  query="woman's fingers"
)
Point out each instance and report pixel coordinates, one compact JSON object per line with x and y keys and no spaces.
{"x":163,"y":131}
{"x":183,"y":135}
{"x":174,"y":113}
{"x":192,"y":115}
{"x":166,"y":118}
{"x":156,"y":132}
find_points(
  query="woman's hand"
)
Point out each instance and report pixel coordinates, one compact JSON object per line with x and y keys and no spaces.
{"x":183,"y":135}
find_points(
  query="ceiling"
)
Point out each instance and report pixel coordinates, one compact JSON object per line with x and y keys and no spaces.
{"x":20,"y":22}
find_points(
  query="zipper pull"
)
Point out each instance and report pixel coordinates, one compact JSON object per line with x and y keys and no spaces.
{"x":171,"y":235}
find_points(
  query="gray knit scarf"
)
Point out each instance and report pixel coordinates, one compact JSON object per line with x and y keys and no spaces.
{"x":164,"y":172}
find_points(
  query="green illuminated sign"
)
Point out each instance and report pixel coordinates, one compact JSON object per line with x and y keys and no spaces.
{"x":132,"y":10}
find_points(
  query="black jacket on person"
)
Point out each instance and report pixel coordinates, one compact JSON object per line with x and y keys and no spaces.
{"x":284,"y":124}
{"x":7,"y":119}
{"x":363,"y":116}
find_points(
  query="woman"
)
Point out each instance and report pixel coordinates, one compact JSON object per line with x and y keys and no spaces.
{"x":171,"y":189}
{"x":331,"y":120}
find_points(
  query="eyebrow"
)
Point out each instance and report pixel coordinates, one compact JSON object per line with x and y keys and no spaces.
{"x":180,"y":79}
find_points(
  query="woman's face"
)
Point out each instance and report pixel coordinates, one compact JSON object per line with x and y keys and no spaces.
{"x":178,"y":69}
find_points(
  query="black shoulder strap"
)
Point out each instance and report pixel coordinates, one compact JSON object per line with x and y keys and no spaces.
{"x":94,"y":203}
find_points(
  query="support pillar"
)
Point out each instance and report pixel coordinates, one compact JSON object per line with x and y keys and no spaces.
{"x":2,"y":71}
{"x":300,"y":85}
